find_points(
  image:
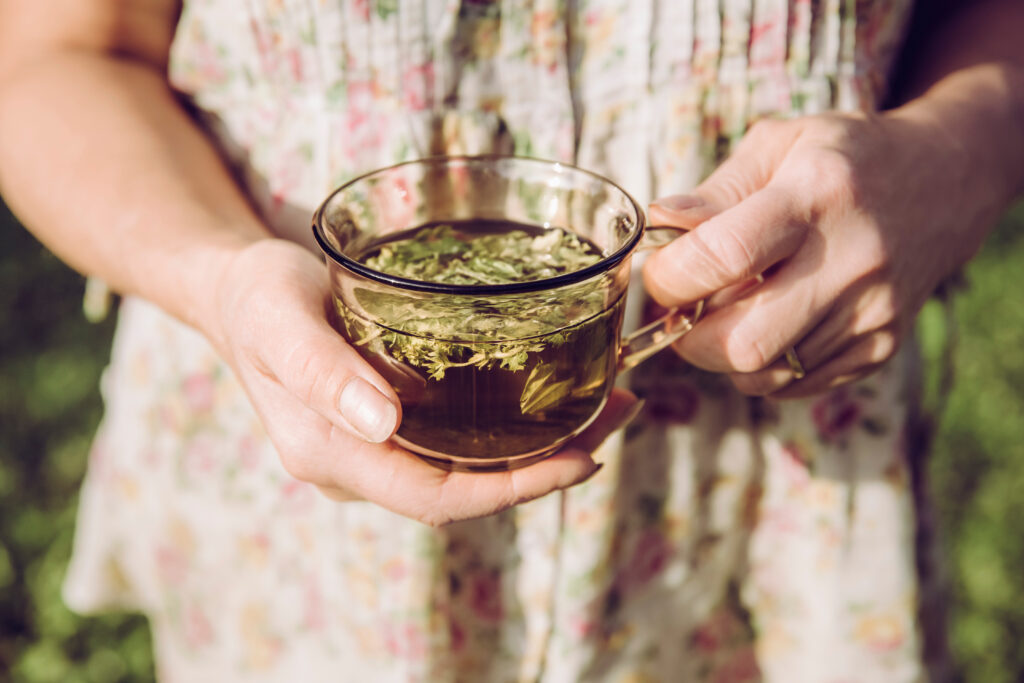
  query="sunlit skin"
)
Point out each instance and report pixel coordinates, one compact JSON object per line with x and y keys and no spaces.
{"x":851,"y":249}
{"x":854,"y":219}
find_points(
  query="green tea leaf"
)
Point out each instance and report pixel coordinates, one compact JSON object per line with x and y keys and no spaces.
{"x":436,"y":333}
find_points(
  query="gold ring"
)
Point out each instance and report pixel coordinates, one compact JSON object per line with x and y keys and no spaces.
{"x":794,"y":363}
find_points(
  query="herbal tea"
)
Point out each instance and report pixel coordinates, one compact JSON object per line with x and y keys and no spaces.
{"x":495,"y":378}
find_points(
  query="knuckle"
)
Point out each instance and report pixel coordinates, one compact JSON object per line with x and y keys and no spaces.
{"x":300,"y":466}
{"x":744,"y":351}
{"x":754,"y":384}
{"x":766,"y":128}
{"x":879,"y":310}
{"x":722,"y":257}
{"x":884,"y":344}
{"x":873,"y":258}
{"x":434,"y":520}
{"x":306,"y":376}
{"x":835,"y":176}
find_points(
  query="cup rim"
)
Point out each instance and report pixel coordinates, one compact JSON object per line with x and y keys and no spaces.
{"x":605,"y":264}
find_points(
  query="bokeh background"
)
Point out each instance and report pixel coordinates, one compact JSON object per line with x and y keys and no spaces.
{"x":51,"y":359}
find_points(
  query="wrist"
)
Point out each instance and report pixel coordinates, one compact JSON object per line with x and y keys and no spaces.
{"x":970,"y":120}
{"x":245,"y":276}
{"x":187,"y":279}
{"x":204,"y":291}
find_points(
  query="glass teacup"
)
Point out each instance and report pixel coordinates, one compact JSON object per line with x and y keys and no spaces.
{"x":491,"y":376}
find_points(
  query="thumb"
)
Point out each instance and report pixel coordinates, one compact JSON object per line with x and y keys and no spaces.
{"x":282,"y":329}
{"x":327,"y":374}
{"x":747,"y":170}
{"x":740,"y":223}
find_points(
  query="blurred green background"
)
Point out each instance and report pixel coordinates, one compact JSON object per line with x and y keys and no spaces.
{"x":49,"y":407}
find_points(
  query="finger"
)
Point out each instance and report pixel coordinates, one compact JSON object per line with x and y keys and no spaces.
{"x":862,"y":358}
{"x":685,"y":211}
{"x":851,"y":319}
{"x":338,"y":495}
{"x":727,"y":250}
{"x":437,"y":497}
{"x":758,"y":322}
{"x":311,"y":360}
{"x":749,"y":168}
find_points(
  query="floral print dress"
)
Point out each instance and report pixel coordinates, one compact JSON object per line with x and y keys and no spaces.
{"x":726,"y":539}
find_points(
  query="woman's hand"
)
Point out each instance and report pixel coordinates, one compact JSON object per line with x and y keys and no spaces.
{"x":330,"y":415}
{"x":853,"y":220}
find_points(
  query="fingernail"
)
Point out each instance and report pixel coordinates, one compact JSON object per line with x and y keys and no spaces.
{"x":367,"y":410}
{"x":594,"y":471}
{"x":678,"y":202}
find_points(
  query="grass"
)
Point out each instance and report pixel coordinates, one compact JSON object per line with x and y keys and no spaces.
{"x":49,"y":406}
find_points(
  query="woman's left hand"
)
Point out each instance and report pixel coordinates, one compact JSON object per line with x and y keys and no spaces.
{"x":853,"y":220}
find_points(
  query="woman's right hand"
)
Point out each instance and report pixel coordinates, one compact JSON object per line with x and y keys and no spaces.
{"x":157,"y":215}
{"x":330,"y":415}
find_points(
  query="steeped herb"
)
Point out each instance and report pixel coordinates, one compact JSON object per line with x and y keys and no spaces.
{"x":441,"y":254}
{"x":487,"y":377}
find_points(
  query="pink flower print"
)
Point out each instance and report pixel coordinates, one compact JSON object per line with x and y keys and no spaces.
{"x":418,"y":86}
{"x":718,"y":630}
{"x":360,"y":98}
{"x":293,"y":58}
{"x":199,"y":392}
{"x":265,"y":42}
{"x":486,"y":38}
{"x":581,"y":627}
{"x":834,"y":414}
{"x":781,"y":519}
{"x":173,"y":554}
{"x":600,"y":25}
{"x":485,"y":596}
{"x":361,"y":131}
{"x":99,"y":456}
{"x":650,"y":556}
{"x":740,"y":667}
{"x":209,"y":64}
{"x":881,"y":633}
{"x":254,"y":550}
{"x":199,"y":456}
{"x":548,"y":39}
{"x":313,"y":605}
{"x":395,"y":569}
{"x":405,"y":640}
{"x":794,"y":467}
{"x":260,"y":645}
{"x":456,"y":636}
{"x":460,"y":182}
{"x":248,"y":453}
{"x":197,"y":628}
{"x":171,"y":564}
{"x":361,"y":8}
{"x":297,"y":496}
{"x":676,"y":405}
{"x":767,"y":45}
{"x":394,"y":204}
{"x":170,"y":413}
{"x":287,"y":177}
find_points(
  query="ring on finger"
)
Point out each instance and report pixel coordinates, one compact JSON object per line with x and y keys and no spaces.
{"x":794,"y":363}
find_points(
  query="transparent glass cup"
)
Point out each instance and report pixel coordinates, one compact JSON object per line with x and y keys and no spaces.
{"x":490,"y":377}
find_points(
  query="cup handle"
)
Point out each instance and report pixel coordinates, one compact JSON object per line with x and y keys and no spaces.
{"x":653,"y":337}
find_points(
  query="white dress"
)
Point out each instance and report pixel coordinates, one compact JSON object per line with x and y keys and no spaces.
{"x":726,"y":539}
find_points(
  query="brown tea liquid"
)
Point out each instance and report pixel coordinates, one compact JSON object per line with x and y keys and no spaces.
{"x":496,"y":399}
